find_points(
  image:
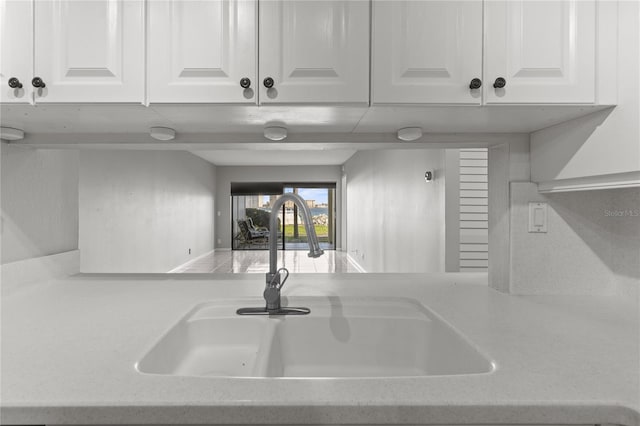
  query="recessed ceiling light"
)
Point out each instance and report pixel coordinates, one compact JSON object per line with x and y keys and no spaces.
{"x":275,"y":133}
{"x":11,"y":134}
{"x":410,"y":134}
{"x":162,"y":133}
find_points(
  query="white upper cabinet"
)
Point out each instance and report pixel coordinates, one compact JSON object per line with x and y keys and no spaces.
{"x":544,"y":51}
{"x":199,"y":51}
{"x":89,"y":51}
{"x":262,"y":52}
{"x":314,"y":51}
{"x":533,"y":51}
{"x":426,"y":51}
{"x":16,"y":51}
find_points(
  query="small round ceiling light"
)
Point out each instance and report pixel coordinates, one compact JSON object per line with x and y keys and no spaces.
{"x":409,"y":134}
{"x":11,"y":134}
{"x":162,"y":133}
{"x":275,"y":133}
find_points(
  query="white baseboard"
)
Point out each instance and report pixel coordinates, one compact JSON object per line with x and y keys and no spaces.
{"x":187,"y":264}
{"x":37,"y":269}
{"x":355,"y":264}
{"x":222,"y":249}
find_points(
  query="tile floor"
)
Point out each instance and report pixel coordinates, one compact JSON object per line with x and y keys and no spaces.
{"x":257,"y":261}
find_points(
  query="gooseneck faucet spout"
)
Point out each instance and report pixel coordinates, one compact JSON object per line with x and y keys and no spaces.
{"x":276,"y":278}
{"x":312,"y":237}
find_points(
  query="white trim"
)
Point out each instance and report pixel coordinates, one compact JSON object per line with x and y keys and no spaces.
{"x":185,"y":265}
{"x":37,"y":269}
{"x":615,"y":180}
{"x":222,"y":249}
{"x":355,"y":264}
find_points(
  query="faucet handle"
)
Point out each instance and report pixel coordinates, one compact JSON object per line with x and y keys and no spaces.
{"x":271,"y":293}
{"x":275,"y":280}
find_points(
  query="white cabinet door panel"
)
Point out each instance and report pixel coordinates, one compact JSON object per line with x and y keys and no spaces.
{"x":545,"y":50}
{"x":90,"y":50}
{"x":426,"y":51}
{"x":16,"y":49}
{"x":315,"y":51}
{"x":200,"y":50}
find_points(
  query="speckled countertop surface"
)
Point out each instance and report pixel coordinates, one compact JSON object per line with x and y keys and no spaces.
{"x":69,"y":348}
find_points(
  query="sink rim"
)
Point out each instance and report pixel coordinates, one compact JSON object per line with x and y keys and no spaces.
{"x":326,"y":300}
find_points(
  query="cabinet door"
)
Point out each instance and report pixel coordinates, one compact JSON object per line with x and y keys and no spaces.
{"x":545,"y":51}
{"x":200,"y":50}
{"x":315,"y":51}
{"x":16,"y":49}
{"x":426,"y":51}
{"x":90,"y":50}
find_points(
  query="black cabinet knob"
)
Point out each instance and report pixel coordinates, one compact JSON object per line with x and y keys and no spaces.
{"x":476,"y":83}
{"x":14,"y":83}
{"x":245,"y":83}
{"x":500,"y":83}
{"x":37,"y":82}
{"x":268,"y":82}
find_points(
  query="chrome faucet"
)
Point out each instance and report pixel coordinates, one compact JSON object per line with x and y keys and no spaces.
{"x":276,"y":278}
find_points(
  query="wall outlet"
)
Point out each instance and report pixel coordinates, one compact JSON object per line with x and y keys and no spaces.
{"x":189,"y":251}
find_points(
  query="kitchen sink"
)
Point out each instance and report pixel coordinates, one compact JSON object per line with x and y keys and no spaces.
{"x":342,"y":337}
{"x":211,"y":341}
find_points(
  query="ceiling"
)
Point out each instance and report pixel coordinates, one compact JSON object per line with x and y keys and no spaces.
{"x":232,"y":135}
{"x":238,"y":157}
{"x":216,"y":120}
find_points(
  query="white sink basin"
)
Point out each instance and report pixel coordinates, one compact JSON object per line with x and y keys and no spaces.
{"x":340,"y":338}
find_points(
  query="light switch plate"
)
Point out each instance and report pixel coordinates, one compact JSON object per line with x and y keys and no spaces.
{"x":538,"y":217}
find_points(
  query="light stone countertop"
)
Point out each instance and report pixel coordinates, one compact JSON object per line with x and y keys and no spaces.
{"x":69,"y":348}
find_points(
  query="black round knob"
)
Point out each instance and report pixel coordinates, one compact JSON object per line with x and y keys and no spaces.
{"x":476,"y":83}
{"x":500,"y":83}
{"x":37,"y":82}
{"x":268,"y":82}
{"x":14,"y":83}
{"x":245,"y":83}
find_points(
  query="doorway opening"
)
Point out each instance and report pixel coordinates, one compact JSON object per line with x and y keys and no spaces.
{"x":250,"y":212}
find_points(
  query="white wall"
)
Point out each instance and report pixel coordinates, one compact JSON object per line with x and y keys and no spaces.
{"x":452,"y":209}
{"x":286,"y":174}
{"x":584,"y":146}
{"x":592,"y":245}
{"x":395,"y":219}
{"x":624,"y":231}
{"x":141,"y":211}
{"x":39,"y":202}
{"x":508,"y":163}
